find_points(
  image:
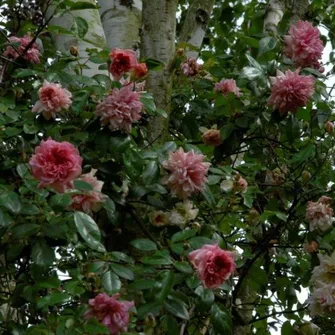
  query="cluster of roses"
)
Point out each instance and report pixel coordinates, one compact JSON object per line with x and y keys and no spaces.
{"x":319,"y":215}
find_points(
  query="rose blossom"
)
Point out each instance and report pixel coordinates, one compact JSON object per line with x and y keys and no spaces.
{"x":240,"y":184}
{"x":319,"y":214}
{"x":121,"y":108}
{"x":227,"y":86}
{"x":31,"y":55}
{"x":53,"y":99}
{"x":91,"y":200}
{"x":187,"y":173}
{"x":311,"y":247}
{"x":290,"y":91}
{"x":110,"y":312}
{"x":159,"y":218}
{"x":56,"y":164}
{"x":325,"y":272}
{"x":212,"y":137}
{"x":190,"y":67}
{"x":122,"y":62}
{"x":322,"y":300}
{"x":329,"y":127}
{"x":303,"y":45}
{"x":183,"y":212}
{"x":140,"y":71}
{"x":214,"y":265}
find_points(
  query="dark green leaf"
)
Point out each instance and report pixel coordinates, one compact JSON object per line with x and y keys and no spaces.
{"x":266,"y":44}
{"x":144,"y":244}
{"x":221,"y":320}
{"x":177,"y":308}
{"x":11,"y":201}
{"x":42,"y":254}
{"x":122,"y":271}
{"x":82,"y":186}
{"x":25,"y":230}
{"x":150,"y":173}
{"x":60,"y":201}
{"x":183,"y":235}
{"x":111,"y":282}
{"x":166,"y":284}
{"x":52,"y":299}
{"x":158,"y":258}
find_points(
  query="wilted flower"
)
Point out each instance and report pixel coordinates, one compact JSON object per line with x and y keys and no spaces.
{"x":311,"y":247}
{"x":214,"y":265}
{"x":139,"y":71}
{"x":159,"y":218}
{"x":91,"y":200}
{"x":123,"y":61}
{"x":212,"y":137}
{"x":56,"y":164}
{"x":329,"y":126}
{"x":319,"y":214}
{"x":120,"y":109}
{"x":110,"y":312}
{"x":227,"y":86}
{"x":183,"y":212}
{"x":190,"y":67}
{"x":322,"y":300}
{"x":325,"y":272}
{"x":31,"y":55}
{"x":187,"y":173}
{"x":290,"y":91}
{"x":303,"y":45}
{"x":53,"y":99}
{"x":240,"y":184}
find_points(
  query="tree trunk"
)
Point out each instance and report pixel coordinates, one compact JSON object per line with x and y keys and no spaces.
{"x":195,"y":25}
{"x":94,"y":38}
{"x":158,"y":42}
{"x":121,"y":23}
{"x":274,"y":14}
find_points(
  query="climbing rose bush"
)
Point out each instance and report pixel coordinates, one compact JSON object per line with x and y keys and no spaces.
{"x":111,"y":312}
{"x":226,"y":86}
{"x":319,"y":214}
{"x":52,"y":100}
{"x":187,"y":173}
{"x":56,"y":164}
{"x":214,"y":265}
{"x":32,"y":54}
{"x":304,"y":46}
{"x":122,"y":62}
{"x":289,"y":91}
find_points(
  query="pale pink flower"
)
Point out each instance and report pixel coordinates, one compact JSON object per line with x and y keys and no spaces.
{"x":322,"y":300}
{"x":227,"y":86}
{"x":303,"y":45}
{"x":187,"y":173}
{"x":319,"y":214}
{"x":325,"y":272}
{"x":290,"y":91}
{"x":190,"y":67}
{"x":31,"y":55}
{"x":123,"y":61}
{"x":214,"y":265}
{"x":110,"y":312}
{"x":53,"y":99}
{"x":159,"y":218}
{"x":212,"y":137}
{"x":240,"y":184}
{"x":56,"y":164}
{"x":121,"y":108}
{"x":91,"y":200}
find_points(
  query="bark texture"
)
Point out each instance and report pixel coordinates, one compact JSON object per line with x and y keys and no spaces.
{"x":195,"y":25}
{"x":274,"y":14}
{"x":121,"y":23}
{"x":94,"y":38}
{"x":158,"y":42}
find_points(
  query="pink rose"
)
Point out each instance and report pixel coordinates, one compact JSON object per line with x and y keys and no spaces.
{"x":304,"y":46}
{"x":214,"y":265}
{"x":31,"y":55}
{"x":212,"y":137}
{"x":110,"y":312}
{"x":190,"y":67}
{"x":290,"y":91}
{"x":319,"y":214}
{"x":90,"y":201}
{"x":227,"y":86}
{"x":140,"y":71}
{"x":120,"y":109}
{"x":187,"y":173}
{"x":122,"y":62}
{"x":53,"y":99}
{"x":56,"y":164}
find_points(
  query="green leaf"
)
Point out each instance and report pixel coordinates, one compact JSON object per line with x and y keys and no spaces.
{"x":144,"y":244}
{"x":221,"y":320}
{"x":42,"y":254}
{"x":11,"y":201}
{"x":143,"y":284}
{"x":177,"y":308}
{"x":145,"y":309}
{"x":52,"y":299}
{"x":304,"y":154}
{"x":60,"y":201}
{"x":199,"y":241}
{"x":266,"y":44}
{"x":81,"y":26}
{"x":183,"y":267}
{"x":287,"y":329}
{"x":148,"y":102}
{"x":30,"y":129}
{"x":89,"y":231}
{"x":21,"y":73}
{"x":122,"y":271}
{"x":166,"y":284}
{"x":111,"y":282}
{"x":253,"y":62}
{"x":206,"y":297}
{"x":78,"y":5}
{"x":250,"y":73}
{"x":94,"y":327}
{"x":23,"y":170}
{"x":12,"y":131}
{"x":25,"y":230}
{"x":82,"y":186}
{"x":158,"y":258}
{"x":150,"y":173}
{"x":154,"y":64}
{"x":226,"y":130}
{"x":183,"y":235}
{"x":50,"y":282}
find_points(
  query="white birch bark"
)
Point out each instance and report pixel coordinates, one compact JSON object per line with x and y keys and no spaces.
{"x":121,"y":23}
{"x":95,"y":37}
{"x":274,"y":14}
{"x":195,"y":25}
